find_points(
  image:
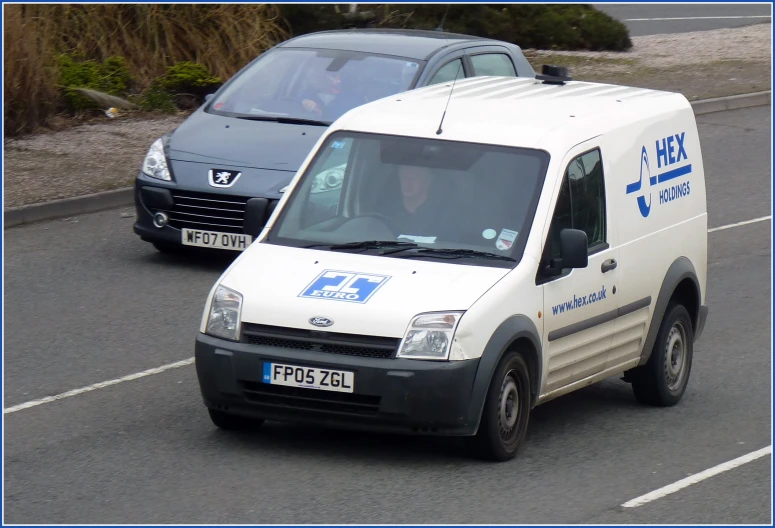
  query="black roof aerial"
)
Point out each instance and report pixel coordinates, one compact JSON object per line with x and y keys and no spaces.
{"x":553,"y":75}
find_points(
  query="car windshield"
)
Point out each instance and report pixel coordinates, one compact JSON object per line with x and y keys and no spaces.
{"x":312,"y":84}
{"x":415,"y":198}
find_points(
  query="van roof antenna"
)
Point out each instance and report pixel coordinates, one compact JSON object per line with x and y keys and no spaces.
{"x":438,"y":132}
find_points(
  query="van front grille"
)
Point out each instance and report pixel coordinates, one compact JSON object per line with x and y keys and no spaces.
{"x":325,"y":342}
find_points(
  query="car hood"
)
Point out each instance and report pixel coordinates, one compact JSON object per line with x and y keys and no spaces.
{"x":281,"y":287}
{"x":208,"y":138}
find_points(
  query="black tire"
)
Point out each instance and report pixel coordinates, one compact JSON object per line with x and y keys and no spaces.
{"x":501,"y":433}
{"x":662,"y":381}
{"x":232,"y":422}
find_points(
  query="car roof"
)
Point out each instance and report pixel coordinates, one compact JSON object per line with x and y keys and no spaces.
{"x":513,"y":111}
{"x":408,"y":43}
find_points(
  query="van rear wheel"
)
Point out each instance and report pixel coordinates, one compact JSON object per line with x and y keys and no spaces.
{"x":663,"y":380}
{"x":233,"y":422}
{"x":506,"y":411}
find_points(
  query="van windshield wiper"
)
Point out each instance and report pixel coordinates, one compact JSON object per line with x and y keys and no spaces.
{"x":286,"y":120}
{"x":367,"y":244}
{"x":452,"y":253}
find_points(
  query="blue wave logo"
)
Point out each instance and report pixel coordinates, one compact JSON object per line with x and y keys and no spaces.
{"x":645,"y":170}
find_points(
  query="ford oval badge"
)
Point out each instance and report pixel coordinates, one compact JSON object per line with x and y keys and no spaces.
{"x":321,"y":321}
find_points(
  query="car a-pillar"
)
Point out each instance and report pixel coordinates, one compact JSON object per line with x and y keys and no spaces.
{"x":505,"y":389}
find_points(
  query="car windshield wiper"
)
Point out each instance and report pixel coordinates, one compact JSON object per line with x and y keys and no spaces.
{"x":452,"y":253}
{"x":286,"y":120}
{"x":367,"y":244}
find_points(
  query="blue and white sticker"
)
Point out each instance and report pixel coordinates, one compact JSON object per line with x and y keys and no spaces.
{"x":346,"y":286}
{"x":337,"y":144}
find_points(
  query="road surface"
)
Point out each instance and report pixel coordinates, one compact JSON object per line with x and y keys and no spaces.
{"x":651,"y":19}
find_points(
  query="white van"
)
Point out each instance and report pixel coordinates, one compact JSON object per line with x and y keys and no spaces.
{"x":480,"y":249}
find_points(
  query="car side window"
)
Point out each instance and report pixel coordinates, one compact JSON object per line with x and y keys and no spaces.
{"x":495,"y":64}
{"x":580,"y":204}
{"x":449,"y":72}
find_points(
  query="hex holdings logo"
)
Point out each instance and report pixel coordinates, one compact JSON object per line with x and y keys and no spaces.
{"x":672,"y":163}
{"x":344,"y":286}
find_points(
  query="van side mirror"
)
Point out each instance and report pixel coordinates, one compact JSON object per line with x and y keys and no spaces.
{"x":573,"y":248}
{"x":255,"y":216}
{"x":573,"y":253}
{"x":208,"y":97}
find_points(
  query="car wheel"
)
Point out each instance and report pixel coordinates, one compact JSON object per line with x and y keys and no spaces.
{"x":506,"y":410}
{"x":232,"y":422}
{"x":663,"y":380}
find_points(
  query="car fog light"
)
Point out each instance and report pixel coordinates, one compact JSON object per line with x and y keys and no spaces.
{"x":160,"y":219}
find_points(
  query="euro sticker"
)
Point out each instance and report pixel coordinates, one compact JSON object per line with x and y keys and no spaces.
{"x":506,"y":239}
{"x":344,"y":286}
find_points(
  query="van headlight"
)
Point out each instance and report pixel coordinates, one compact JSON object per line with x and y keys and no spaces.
{"x":155,"y":162}
{"x":429,"y":336}
{"x":225,"y":312}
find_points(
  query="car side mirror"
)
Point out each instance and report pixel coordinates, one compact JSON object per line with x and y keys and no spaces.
{"x":255,"y":216}
{"x":208,"y":97}
{"x":573,"y":252}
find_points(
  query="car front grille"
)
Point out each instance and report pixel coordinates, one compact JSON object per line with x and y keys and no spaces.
{"x":210,"y":212}
{"x":325,"y":342}
{"x":309,"y":399}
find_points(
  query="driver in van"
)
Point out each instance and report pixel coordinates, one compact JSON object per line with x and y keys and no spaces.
{"x":417,"y":209}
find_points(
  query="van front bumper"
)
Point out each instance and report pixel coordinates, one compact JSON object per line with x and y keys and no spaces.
{"x":390,"y":395}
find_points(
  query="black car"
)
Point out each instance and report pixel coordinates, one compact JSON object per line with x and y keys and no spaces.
{"x":240,"y":149}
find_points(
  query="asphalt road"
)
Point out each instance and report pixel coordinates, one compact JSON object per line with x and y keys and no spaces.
{"x":651,"y":19}
{"x":86,"y":301}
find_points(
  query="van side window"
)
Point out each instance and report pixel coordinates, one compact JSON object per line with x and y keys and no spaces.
{"x":581,"y":203}
{"x":448,"y":72}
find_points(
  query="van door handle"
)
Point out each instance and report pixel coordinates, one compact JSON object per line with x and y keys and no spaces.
{"x":608,"y":265}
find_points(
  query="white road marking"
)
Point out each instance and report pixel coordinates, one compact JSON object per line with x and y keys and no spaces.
{"x":699,"y":477}
{"x":101,"y":385}
{"x":730,"y":226}
{"x":189,"y":361}
{"x":694,"y":18}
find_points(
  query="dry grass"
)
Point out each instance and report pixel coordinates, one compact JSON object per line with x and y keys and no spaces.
{"x":150,"y":37}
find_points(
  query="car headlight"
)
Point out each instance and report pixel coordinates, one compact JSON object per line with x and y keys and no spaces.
{"x":429,"y":336}
{"x":328,"y":180}
{"x":225,"y":312}
{"x":155,"y":162}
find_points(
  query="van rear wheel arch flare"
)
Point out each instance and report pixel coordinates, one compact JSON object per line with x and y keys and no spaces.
{"x":680,"y":274}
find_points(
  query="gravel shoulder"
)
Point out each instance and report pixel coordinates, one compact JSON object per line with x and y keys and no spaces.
{"x":105,"y":154}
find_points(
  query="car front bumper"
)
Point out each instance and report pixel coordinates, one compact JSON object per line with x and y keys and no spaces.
{"x":390,"y":395}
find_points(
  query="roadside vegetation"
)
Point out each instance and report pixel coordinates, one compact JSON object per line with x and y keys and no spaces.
{"x":74,"y":61}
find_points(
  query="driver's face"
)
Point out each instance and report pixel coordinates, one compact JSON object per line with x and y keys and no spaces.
{"x":414,"y":180}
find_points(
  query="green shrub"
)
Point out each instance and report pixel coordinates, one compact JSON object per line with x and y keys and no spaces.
{"x":157,"y":98}
{"x":111,"y":76}
{"x":190,"y":77}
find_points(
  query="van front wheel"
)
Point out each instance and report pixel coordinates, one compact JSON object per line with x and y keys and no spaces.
{"x":663,"y":380}
{"x":506,"y":410}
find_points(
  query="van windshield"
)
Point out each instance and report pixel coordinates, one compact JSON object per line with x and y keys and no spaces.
{"x":312,"y":84}
{"x":415,"y":198}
